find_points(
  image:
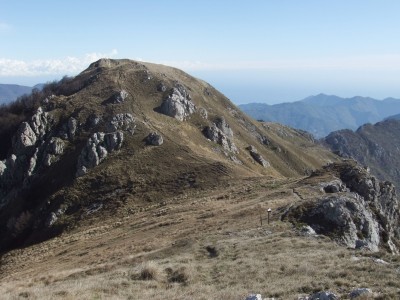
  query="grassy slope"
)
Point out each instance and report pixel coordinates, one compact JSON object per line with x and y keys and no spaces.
{"x":103,"y":260}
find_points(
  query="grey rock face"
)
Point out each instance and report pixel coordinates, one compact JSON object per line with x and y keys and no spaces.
{"x":254,"y":297}
{"x":323,"y":296}
{"x":178,"y":104}
{"x":224,"y":127}
{"x":360,"y":213}
{"x":56,"y":146}
{"x":257,"y":156}
{"x":96,"y":150}
{"x":203,"y":113}
{"x":118,"y":97}
{"x":40,"y":123}
{"x":334,"y":186}
{"x":216,"y":135}
{"x":360,"y":292}
{"x":24,"y":137}
{"x":154,"y":139}
{"x":72,"y":126}
{"x":121,"y":122}
{"x":346,"y":216}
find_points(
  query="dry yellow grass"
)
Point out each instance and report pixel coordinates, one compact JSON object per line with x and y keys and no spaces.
{"x":170,"y":242}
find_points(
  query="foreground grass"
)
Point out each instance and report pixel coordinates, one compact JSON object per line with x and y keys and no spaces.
{"x":211,"y":247}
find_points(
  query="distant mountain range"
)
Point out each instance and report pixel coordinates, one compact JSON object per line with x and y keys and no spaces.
{"x":10,"y":92}
{"x":375,"y":146}
{"x":323,"y":114}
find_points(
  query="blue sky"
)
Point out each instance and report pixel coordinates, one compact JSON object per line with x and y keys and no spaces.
{"x":253,"y":51}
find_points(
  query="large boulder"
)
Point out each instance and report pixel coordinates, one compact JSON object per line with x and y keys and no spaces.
{"x":123,"y":121}
{"x":361,"y":212}
{"x":178,"y":104}
{"x":96,"y":150}
{"x":257,"y":156}
{"x":154,"y":139}
{"x":325,"y":295}
{"x":224,"y":127}
{"x":345,"y":218}
{"x":215,"y":134}
{"x":360,"y":292}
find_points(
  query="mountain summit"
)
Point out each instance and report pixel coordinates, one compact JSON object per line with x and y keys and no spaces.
{"x":125,"y":131}
{"x":138,"y":181}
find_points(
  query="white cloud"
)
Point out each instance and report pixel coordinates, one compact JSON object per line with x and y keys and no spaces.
{"x":65,"y":66}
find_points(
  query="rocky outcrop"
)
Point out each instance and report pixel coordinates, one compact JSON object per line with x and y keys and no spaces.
{"x":154,"y":139}
{"x":124,"y":122}
{"x":178,"y":104}
{"x":334,"y":186}
{"x":30,"y":148}
{"x":360,"y":292}
{"x":254,"y":297}
{"x":224,"y":127}
{"x":203,"y":113}
{"x":120,"y":96}
{"x":361,"y":212}
{"x":325,"y":295}
{"x":215,"y":134}
{"x":257,"y":156}
{"x":31,"y":132}
{"x":96,"y":150}
{"x":346,"y":217}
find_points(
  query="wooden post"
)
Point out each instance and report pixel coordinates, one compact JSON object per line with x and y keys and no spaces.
{"x":261,"y":217}
{"x":269,"y":211}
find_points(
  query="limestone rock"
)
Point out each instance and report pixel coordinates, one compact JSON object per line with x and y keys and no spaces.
{"x":345,"y":218}
{"x":32,"y":163}
{"x":257,"y":156}
{"x":254,"y":297}
{"x":203,"y":113}
{"x":56,"y":146}
{"x":214,"y":134}
{"x":360,"y":292}
{"x":224,"y":127}
{"x":154,"y":139}
{"x":121,"y":122}
{"x":3,"y":167}
{"x":24,"y":137}
{"x":178,"y":104}
{"x":326,"y":295}
{"x":334,"y":186}
{"x":96,"y":150}
{"x":380,"y":196}
{"x":31,"y":132}
{"x":40,"y":123}
{"x":72,"y":126}
{"x":117,"y":97}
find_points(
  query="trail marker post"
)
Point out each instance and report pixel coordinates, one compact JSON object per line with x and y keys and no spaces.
{"x":269,"y":212}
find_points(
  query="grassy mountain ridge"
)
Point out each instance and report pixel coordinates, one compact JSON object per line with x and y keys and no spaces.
{"x":136,"y":181}
{"x":81,"y":111}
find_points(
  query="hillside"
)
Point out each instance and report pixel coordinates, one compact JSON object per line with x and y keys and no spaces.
{"x":375,"y":146}
{"x":138,"y":181}
{"x":10,"y":92}
{"x":323,"y":114}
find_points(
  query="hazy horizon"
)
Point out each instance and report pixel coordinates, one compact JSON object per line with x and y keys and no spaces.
{"x":263,"y":51}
